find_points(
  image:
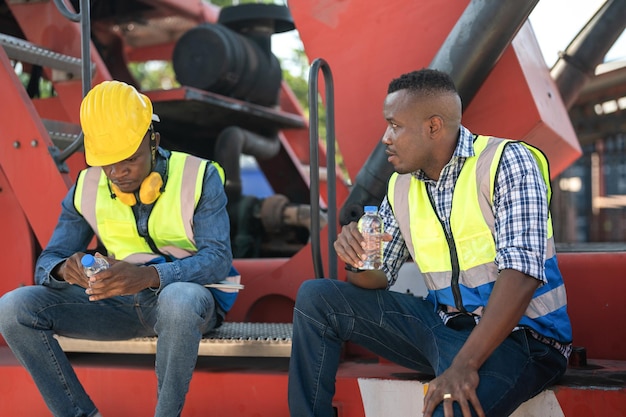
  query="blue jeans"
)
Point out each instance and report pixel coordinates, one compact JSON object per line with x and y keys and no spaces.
{"x":180,"y":314}
{"x":406,"y":330}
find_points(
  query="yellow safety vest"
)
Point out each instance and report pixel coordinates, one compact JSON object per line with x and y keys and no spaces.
{"x":459,"y":270}
{"x":170,"y":222}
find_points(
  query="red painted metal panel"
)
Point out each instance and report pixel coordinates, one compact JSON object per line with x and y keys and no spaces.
{"x":50,"y":108}
{"x":595,"y":296}
{"x":125,"y":386}
{"x":366,"y":46}
{"x":591,"y":402}
{"x":24,"y":156}
{"x":298,"y":138}
{"x":17,"y":244}
{"x":521,"y":86}
{"x":276,"y":279}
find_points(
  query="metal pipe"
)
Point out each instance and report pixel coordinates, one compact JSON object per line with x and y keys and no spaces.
{"x":471,"y":50}
{"x":478,"y":40}
{"x":608,"y":85}
{"x":576,"y":66}
{"x":234,"y":141}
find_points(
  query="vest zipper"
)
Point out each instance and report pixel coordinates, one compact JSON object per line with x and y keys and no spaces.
{"x":454,"y":260}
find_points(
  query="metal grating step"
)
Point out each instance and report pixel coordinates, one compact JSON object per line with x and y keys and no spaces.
{"x":231,"y":339}
{"x":24,"y":51}
{"x":62,"y":134}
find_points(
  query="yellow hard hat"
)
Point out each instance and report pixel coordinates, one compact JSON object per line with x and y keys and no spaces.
{"x":114,"y":117}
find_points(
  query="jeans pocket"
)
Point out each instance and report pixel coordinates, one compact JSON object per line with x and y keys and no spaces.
{"x":548,"y":362}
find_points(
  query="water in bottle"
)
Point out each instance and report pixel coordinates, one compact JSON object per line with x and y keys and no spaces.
{"x":371,"y":227}
{"x":92,"y":265}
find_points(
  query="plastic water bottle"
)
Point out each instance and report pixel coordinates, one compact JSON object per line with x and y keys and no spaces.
{"x":93,"y":265}
{"x":371,"y":227}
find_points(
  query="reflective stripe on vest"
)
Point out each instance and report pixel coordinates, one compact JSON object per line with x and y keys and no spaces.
{"x":459,"y":270}
{"x":170,"y":222}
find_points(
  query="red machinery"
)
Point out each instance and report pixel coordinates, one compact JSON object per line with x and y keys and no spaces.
{"x":506,"y":87}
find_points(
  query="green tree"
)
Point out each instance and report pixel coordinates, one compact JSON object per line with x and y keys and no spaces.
{"x":154,"y":75}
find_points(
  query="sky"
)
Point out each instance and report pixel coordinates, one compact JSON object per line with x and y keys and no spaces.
{"x":555,"y":23}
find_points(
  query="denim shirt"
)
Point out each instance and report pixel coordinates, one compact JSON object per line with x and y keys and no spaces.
{"x":211,"y":228}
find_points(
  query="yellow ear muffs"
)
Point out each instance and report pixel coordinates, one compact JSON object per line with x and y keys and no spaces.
{"x":150,"y":188}
{"x":125,"y":198}
{"x":149,"y":191}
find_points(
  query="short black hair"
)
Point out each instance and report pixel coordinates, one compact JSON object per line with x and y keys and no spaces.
{"x":425,"y":81}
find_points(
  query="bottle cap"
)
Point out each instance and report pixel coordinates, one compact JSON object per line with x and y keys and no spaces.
{"x":370,"y":208}
{"x":88,"y":260}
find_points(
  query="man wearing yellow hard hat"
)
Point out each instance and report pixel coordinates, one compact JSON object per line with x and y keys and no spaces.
{"x":161,"y":217}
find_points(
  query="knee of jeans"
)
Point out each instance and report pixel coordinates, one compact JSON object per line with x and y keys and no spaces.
{"x":313,"y":293}
{"x":181,"y":300}
{"x":11,"y":309}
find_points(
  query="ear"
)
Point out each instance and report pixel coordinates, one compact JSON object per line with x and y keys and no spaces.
{"x":435,"y":125}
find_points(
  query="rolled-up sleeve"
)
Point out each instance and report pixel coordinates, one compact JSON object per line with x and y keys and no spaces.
{"x":521,"y":213}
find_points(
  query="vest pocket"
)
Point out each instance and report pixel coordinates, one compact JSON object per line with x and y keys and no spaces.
{"x":117,"y":228}
{"x":432,"y":254}
{"x":476,"y":250}
{"x":120,"y":237}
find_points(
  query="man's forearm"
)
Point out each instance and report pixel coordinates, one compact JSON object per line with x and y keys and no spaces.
{"x":371,"y":279}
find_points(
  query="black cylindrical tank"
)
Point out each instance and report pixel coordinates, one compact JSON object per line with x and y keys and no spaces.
{"x":214,"y":58}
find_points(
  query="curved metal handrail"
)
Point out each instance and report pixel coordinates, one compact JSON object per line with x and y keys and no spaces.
{"x":330,"y":167}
